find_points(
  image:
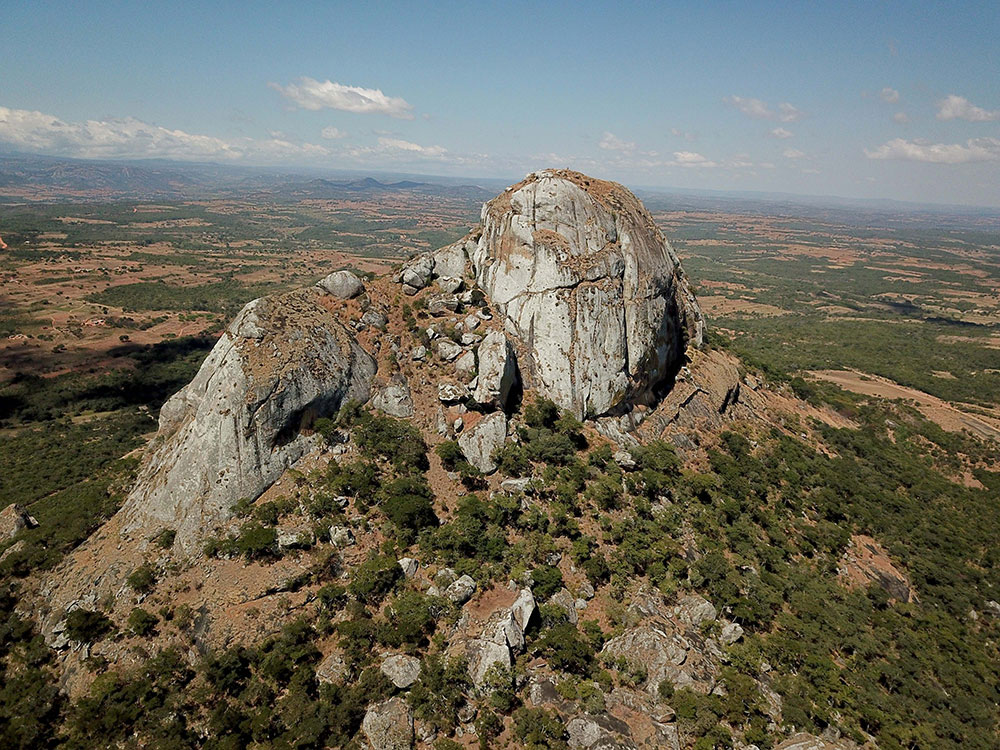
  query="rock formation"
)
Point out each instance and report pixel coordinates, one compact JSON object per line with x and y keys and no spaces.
{"x":594,"y":313}
{"x":592,"y":295}
{"x":231,"y":432}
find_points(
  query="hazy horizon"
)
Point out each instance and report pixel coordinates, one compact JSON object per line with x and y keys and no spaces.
{"x":858,"y":101}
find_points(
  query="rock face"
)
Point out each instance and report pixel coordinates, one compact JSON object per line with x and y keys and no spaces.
{"x":394,"y":398}
{"x":342,"y":285}
{"x":481,"y":442}
{"x":497,"y":370}
{"x":389,"y":725}
{"x":232,"y":431}
{"x":13,"y":518}
{"x":591,"y":295}
{"x":590,"y":291}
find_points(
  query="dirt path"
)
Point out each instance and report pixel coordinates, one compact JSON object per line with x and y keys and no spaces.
{"x":944,"y":414}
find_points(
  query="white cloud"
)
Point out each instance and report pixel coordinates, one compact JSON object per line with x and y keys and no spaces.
{"x":750,"y":107}
{"x":789,"y":113}
{"x":974,"y":150}
{"x":309,"y":93}
{"x":331,"y":133}
{"x":954,"y":107}
{"x":692,"y":159}
{"x":397,"y":144}
{"x":793,"y":153}
{"x":901,"y":117}
{"x":889,"y":95}
{"x":759,"y":110}
{"x":611,"y":142}
{"x":131,"y":138}
{"x":685,"y":134}
{"x":782,"y":133}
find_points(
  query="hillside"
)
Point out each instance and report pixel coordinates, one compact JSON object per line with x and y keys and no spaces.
{"x":514,"y":493}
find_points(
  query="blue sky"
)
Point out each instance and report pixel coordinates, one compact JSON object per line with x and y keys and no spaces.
{"x":870,"y":99}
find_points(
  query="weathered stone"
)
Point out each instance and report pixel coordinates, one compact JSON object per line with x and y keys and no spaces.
{"x":375,"y":319}
{"x":731,"y":633}
{"x":417,"y":273}
{"x":442,"y":305}
{"x":693,"y":610}
{"x":452,"y":393}
{"x":565,"y":601}
{"x":342,"y":285}
{"x":332,"y":669}
{"x":482,"y":654}
{"x":465,"y":366}
{"x":471,"y":322}
{"x":341,"y":536}
{"x":289,"y":538}
{"x":447,"y":349}
{"x":409,"y":566}
{"x":585,"y":590}
{"x":624,"y":460}
{"x":461,"y":590}
{"x":419,"y":353}
{"x":394,"y":398}
{"x":497,"y":370}
{"x":803,"y":741}
{"x":523,"y":608}
{"x":589,"y":289}
{"x":481,"y":442}
{"x":445,"y":577}
{"x":450,"y":260}
{"x":402,"y":670}
{"x":653,"y":651}
{"x":389,"y":725}
{"x":449,"y":284}
{"x":13,"y":519}
{"x":515,"y":486}
{"x":232,"y":431}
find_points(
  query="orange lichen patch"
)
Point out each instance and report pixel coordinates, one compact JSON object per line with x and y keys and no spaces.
{"x":942,"y":413}
{"x":866,"y":562}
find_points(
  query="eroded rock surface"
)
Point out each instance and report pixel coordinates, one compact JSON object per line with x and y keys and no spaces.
{"x":590,"y":290}
{"x":592,"y":295}
{"x":232,"y":431}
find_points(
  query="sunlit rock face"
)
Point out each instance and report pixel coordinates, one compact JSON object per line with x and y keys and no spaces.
{"x":593,"y":296}
{"x":232,"y":431}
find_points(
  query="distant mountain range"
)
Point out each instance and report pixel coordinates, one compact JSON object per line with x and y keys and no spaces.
{"x":31,"y":177}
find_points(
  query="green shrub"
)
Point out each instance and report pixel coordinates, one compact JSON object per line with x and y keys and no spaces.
{"x":141,"y":622}
{"x":142,"y":578}
{"x":86,"y":626}
{"x":257,"y":542}
{"x":539,"y":729}
{"x":546,"y":580}
{"x":374,"y":578}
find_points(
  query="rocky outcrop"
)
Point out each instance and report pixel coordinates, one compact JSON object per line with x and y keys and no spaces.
{"x":389,"y":725}
{"x":501,"y":638}
{"x":592,"y":295}
{"x":232,"y":431}
{"x":394,"y":398}
{"x":590,"y":290}
{"x":497,"y":371}
{"x":342,"y":285}
{"x":13,"y":519}
{"x":481,"y":442}
{"x":667,"y":644}
{"x":402,"y":670}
